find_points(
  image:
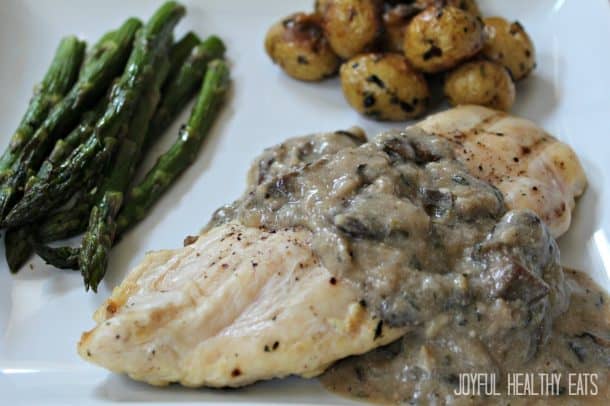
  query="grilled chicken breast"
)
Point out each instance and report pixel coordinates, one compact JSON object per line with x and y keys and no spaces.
{"x":236,"y":306}
{"x":532,"y":169}
{"x":241,"y":304}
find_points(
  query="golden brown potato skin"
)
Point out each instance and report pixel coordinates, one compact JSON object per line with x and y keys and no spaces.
{"x":351,"y":26}
{"x":509,"y":44}
{"x":320,"y":6}
{"x":439,"y":38}
{"x":384,"y":87}
{"x":298,"y":45}
{"x":484,"y":83}
{"x":395,"y":20}
{"x":470,"y":6}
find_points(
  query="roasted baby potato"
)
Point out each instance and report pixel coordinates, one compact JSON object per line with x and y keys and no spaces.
{"x":482,"y":82}
{"x":466,"y":5}
{"x":439,"y":38}
{"x":395,"y":20}
{"x":384,"y":87}
{"x":320,"y":6}
{"x":298,"y":45}
{"x":351,"y":26}
{"x":509,"y":44}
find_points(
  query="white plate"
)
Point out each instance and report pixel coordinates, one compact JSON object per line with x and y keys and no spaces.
{"x":43,"y":311}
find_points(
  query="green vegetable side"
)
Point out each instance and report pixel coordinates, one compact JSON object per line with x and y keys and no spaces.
{"x":70,"y":165}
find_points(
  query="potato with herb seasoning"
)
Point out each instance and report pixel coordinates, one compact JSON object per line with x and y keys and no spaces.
{"x":298,"y":45}
{"x":395,"y":20}
{"x":466,"y":5}
{"x":508,"y":44}
{"x":384,"y":87}
{"x":439,"y":38}
{"x":484,"y":83}
{"x":351,"y":26}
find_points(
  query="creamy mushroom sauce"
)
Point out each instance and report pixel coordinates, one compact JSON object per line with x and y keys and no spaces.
{"x":434,"y":249}
{"x":424,"y":366}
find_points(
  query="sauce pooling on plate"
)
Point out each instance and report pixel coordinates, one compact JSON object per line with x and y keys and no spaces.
{"x":424,"y":366}
{"x":430,"y":247}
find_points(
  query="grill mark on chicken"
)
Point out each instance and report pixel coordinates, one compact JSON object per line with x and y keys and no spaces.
{"x":488,"y":121}
{"x":522,"y":157}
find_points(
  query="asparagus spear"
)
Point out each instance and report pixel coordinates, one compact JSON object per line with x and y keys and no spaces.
{"x":182,"y":153}
{"x":65,"y":223}
{"x":106,"y":60}
{"x":60,"y":225}
{"x":80,"y":168}
{"x":98,"y":240}
{"x":56,"y":83}
{"x":60,"y":257}
{"x":150,"y":41}
{"x":17,"y":247}
{"x":64,"y":147}
{"x":180,"y":51}
{"x":72,"y":221}
{"x":180,"y":89}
